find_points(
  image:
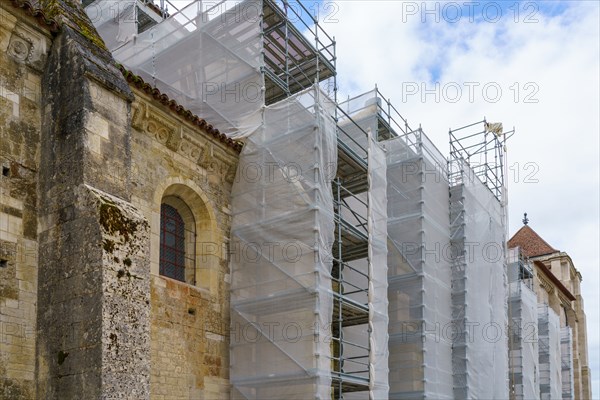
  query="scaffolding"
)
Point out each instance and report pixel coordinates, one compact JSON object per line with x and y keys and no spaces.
{"x":478,"y":264}
{"x":355,"y":282}
{"x":298,"y":51}
{"x":263,"y":71}
{"x":359,"y":260}
{"x":418,"y":269}
{"x":549,"y":353}
{"x":483,"y":151}
{"x":566,"y":355}
{"x":523,"y":319}
{"x":222,"y":60}
{"x":282,"y":299}
{"x":373,"y":110}
{"x":352,"y":276}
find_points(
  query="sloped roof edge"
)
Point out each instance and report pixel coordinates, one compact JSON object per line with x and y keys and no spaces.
{"x":554,"y":279}
{"x":38,"y":14}
{"x":530,"y":242}
{"x":177,"y":108}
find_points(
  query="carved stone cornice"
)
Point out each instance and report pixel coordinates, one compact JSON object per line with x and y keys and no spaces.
{"x":179,"y":138}
{"x":191,"y":148}
{"x":564,"y":300}
{"x":545,"y":284}
{"x":218,"y":163}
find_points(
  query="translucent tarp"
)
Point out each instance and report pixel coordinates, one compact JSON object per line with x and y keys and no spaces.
{"x":378,"y":300}
{"x":479,"y":290}
{"x":549,"y":353}
{"x":523,"y":339}
{"x":115,"y":20}
{"x":206,"y":56}
{"x":418,"y":270}
{"x":566,"y":355}
{"x":282,"y":231}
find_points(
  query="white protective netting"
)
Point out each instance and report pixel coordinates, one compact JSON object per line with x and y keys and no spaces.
{"x":206,"y":56}
{"x":378,"y":283}
{"x":418,"y":270}
{"x":549,"y":353}
{"x":566,"y":351}
{"x":282,"y":231}
{"x":523,"y":350}
{"x":479,"y":290}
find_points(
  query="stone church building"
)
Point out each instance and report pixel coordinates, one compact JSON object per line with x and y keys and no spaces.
{"x":92,"y":160}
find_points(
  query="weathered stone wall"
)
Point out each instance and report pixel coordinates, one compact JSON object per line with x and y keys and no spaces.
{"x":189,"y":323}
{"x":23,"y":48}
{"x":94,"y":281}
{"x":80,"y":190}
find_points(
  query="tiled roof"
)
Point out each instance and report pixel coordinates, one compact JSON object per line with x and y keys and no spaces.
{"x":175,"y":107}
{"x":531,"y":244}
{"x":33,"y":9}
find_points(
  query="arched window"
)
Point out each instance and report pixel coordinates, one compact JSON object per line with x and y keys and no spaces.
{"x":177,"y":241}
{"x":172,"y":243}
{"x":180,"y":207}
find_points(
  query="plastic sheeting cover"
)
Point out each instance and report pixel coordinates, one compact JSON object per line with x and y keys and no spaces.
{"x":207,"y":57}
{"x":479,"y":290}
{"x":418,"y":270}
{"x":549,"y":353}
{"x":566,"y":351}
{"x":378,"y":283}
{"x":282,"y":231}
{"x":524,"y":359}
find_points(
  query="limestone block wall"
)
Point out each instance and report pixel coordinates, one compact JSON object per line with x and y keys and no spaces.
{"x":84,"y":166}
{"x":23,"y":47}
{"x":189,"y":321}
{"x":93,"y":288}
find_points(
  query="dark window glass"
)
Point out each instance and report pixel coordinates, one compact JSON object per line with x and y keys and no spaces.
{"x":172,"y":243}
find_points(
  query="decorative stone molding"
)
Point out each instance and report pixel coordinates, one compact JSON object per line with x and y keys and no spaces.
{"x":28,"y":46}
{"x":159,"y":131}
{"x":564,"y":301}
{"x":546,"y":284}
{"x":19,"y":48}
{"x":216,"y":162}
{"x":138,"y":115}
{"x":190,"y":147}
{"x":178,"y":138}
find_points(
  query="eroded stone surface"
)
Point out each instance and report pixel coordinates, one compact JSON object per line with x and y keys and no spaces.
{"x":84,"y":165}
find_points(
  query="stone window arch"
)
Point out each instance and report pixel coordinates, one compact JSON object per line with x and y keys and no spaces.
{"x":202,"y":244}
{"x":177,"y":240}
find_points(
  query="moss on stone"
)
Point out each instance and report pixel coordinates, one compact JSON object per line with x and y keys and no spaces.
{"x":92,"y":35}
{"x":108,"y":246}
{"x":71,"y":13}
{"x":11,"y":389}
{"x":114,"y":222}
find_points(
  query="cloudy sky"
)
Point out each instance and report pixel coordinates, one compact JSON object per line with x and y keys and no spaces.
{"x":531,"y":65}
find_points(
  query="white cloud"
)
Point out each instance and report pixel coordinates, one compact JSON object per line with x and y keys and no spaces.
{"x":558,"y":55}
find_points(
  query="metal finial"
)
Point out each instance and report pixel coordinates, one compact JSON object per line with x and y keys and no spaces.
{"x":525,"y":219}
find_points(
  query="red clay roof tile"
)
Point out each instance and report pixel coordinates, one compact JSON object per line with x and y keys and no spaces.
{"x":531,"y":244}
